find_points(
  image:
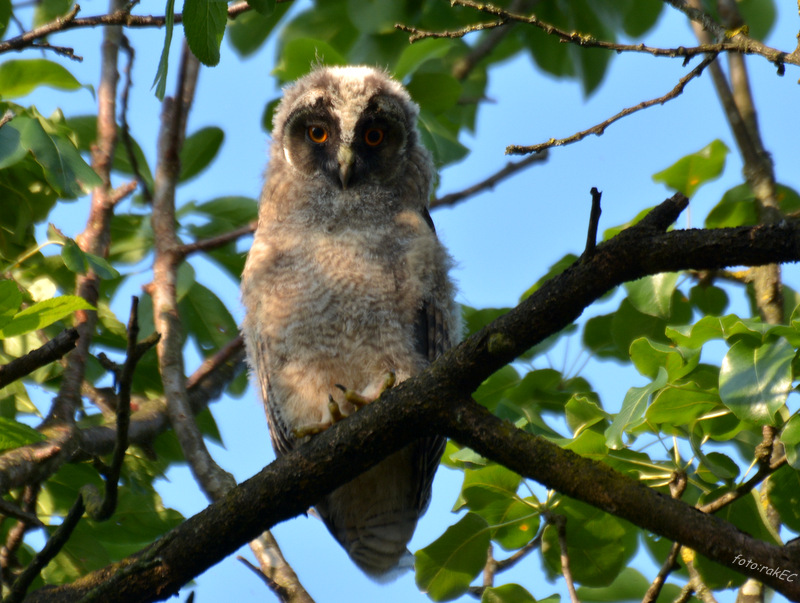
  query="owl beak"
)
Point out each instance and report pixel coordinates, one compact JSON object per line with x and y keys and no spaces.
{"x":345,"y":158}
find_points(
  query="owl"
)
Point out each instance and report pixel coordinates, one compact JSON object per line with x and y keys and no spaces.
{"x":346,"y":287}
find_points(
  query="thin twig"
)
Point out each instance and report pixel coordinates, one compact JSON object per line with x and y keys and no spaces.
{"x":16,"y":534}
{"x":49,"y":352}
{"x":64,"y":51}
{"x":218,"y":241}
{"x":96,"y":237}
{"x":560,"y":524}
{"x":512,"y":167}
{"x":600,"y":128}
{"x":734,"y":41}
{"x":102,"y":509}
{"x":594,"y":221}
{"x":125,"y":130}
{"x":677,"y":486}
{"x":51,"y":548}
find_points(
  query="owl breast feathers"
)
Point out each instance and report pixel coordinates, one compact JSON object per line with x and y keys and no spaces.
{"x":346,"y":283}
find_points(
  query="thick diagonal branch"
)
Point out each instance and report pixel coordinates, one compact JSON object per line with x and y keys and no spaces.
{"x":437,"y":401}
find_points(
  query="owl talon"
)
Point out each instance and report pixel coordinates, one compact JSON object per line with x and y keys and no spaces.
{"x":359,"y":400}
{"x":333,"y":408}
{"x":309,"y":430}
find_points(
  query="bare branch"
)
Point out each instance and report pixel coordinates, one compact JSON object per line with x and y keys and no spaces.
{"x":594,"y":221}
{"x":95,"y":237}
{"x":734,"y":41}
{"x":511,"y":168}
{"x":49,"y":352}
{"x":51,"y":548}
{"x":560,"y":524}
{"x":103,"y":508}
{"x":437,"y":401}
{"x":218,"y":241}
{"x":601,"y":127}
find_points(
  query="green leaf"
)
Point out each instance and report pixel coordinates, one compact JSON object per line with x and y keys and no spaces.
{"x":440,"y":141}
{"x":648,"y":356}
{"x":417,"y":54}
{"x":248,"y":32}
{"x":738,"y":206}
{"x":507,"y":593}
{"x":632,"y":411}
{"x":63,"y":166}
{"x":709,"y":299}
{"x":629,"y":585}
{"x":434,"y":92}
{"x":445,"y":568}
{"x":784,"y":495}
{"x":715,"y":467}
{"x":206,"y":318}
{"x":5,"y":16}
{"x":74,"y":258}
{"x":653,"y":294}
{"x":582,"y":413}
{"x":84,"y":127}
{"x":759,"y":15}
{"x":11,"y":149}
{"x":690,"y":172}
{"x":681,"y":404}
{"x":48,"y":10}
{"x":264,"y":7}
{"x":20,"y":77}
{"x":375,"y":16}
{"x":42,"y":314}
{"x":790,"y":436}
{"x":754,"y":381}
{"x":199,"y":151}
{"x":14,"y":434}
{"x":204,"y":25}
{"x":301,"y":54}
{"x":599,"y":545}
{"x":10,"y":300}
{"x":160,"y":81}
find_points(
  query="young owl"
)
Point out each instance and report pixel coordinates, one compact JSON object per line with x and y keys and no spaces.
{"x":346,"y":284}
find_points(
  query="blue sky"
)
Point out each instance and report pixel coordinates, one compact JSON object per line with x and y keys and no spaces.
{"x":502,"y":241}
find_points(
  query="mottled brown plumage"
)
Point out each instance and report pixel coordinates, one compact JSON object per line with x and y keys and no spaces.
{"x":347,"y":282}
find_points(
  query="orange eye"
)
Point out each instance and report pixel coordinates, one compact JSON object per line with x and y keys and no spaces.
{"x":373,"y":137}
{"x":317,"y":134}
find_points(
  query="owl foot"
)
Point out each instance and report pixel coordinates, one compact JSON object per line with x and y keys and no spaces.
{"x":358,"y":400}
{"x":336,"y":416}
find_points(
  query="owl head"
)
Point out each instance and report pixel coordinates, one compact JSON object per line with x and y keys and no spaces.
{"x":352,"y":127}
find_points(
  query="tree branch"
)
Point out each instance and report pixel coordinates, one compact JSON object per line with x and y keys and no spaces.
{"x":600,"y":128}
{"x":95,"y":237}
{"x":735,"y":41}
{"x":437,"y":401}
{"x":49,"y":352}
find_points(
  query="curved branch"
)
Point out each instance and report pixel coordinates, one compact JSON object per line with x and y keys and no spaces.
{"x":437,"y":401}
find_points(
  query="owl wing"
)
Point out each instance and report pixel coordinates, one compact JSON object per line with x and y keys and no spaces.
{"x":432,"y":341}
{"x":279,"y":431}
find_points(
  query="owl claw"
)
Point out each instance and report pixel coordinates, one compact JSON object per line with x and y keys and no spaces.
{"x":359,"y":400}
{"x":333,"y":408}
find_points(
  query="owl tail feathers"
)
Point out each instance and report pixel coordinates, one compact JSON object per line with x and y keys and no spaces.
{"x":378,"y":569}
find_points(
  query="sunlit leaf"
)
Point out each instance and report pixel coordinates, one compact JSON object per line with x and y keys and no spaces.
{"x":445,"y":568}
{"x":690,"y":172}
{"x":14,"y":434}
{"x":653,"y":294}
{"x":19,"y":77}
{"x":754,"y":381}
{"x":633,"y":407}
{"x":507,"y":593}
{"x":42,"y":314}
